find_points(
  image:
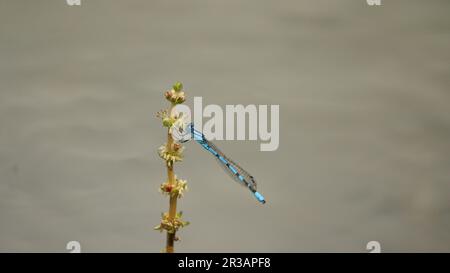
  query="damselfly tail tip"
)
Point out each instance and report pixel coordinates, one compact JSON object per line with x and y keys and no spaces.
{"x":259,"y":197}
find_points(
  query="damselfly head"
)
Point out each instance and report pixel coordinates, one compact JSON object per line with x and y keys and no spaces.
{"x":181,"y":132}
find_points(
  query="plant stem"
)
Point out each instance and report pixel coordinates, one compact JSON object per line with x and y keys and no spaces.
{"x":173,"y":199}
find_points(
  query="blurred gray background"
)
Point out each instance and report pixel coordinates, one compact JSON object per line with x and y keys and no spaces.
{"x":364,"y":124}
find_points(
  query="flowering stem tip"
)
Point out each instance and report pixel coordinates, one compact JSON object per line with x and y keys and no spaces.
{"x":172,"y":152}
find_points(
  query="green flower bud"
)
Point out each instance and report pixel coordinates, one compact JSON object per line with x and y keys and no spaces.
{"x":167,"y":122}
{"x":177,"y":87}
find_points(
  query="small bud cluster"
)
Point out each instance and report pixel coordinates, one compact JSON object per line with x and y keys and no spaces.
{"x":176,"y":189}
{"x":175,"y":95}
{"x":171,"y":225}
